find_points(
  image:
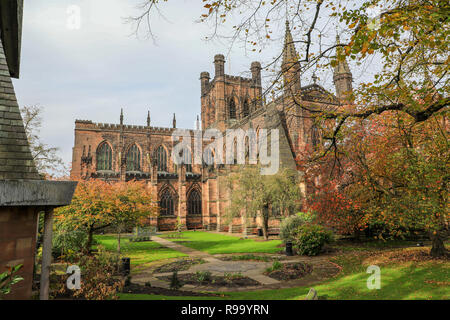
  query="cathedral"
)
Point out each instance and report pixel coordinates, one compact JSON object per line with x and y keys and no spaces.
{"x":197,"y":194}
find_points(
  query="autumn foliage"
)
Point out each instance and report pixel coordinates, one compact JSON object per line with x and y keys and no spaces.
{"x":97,"y":204}
{"x":389,"y":172}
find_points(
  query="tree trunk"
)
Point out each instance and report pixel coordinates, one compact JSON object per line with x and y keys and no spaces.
{"x":437,"y":244}
{"x":118,"y":243}
{"x":89,"y":241}
{"x":265,"y":218}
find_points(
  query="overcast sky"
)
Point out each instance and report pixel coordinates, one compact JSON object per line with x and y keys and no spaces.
{"x":92,"y":72}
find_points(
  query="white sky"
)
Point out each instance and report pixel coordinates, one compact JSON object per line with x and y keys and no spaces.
{"x":92,"y":72}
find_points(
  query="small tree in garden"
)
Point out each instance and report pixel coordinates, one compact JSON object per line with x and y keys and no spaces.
{"x":97,"y":205}
{"x":252,"y":194}
{"x":130,"y":204}
{"x":88,"y":211}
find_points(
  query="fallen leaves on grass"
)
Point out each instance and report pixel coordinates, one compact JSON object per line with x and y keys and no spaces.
{"x":401,"y":256}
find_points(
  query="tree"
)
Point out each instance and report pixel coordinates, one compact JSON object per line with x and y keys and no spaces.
{"x":45,"y":158}
{"x":394,"y":174}
{"x":97,"y":205}
{"x":253,"y":194}
{"x":130,"y":204}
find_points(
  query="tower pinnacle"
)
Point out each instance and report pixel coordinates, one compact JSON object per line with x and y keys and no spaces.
{"x":342,"y":76}
{"x":290,"y":65}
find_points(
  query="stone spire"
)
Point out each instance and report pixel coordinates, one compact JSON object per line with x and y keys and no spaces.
{"x":342,"y":75}
{"x":148,"y":119}
{"x":174,"y":121}
{"x":290,"y":65}
{"x":197,"y":124}
{"x":290,"y":55}
{"x":121,"y":116}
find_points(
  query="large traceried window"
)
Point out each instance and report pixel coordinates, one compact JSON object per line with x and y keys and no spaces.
{"x":134,"y":159}
{"x":232,"y":109}
{"x":161,"y":158}
{"x":104,"y":157}
{"x":194,"y":204}
{"x":166,"y":203}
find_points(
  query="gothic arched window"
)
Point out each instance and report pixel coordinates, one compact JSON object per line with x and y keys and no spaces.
{"x":134,"y":159}
{"x":104,"y":157}
{"x":194,"y":204}
{"x":166,"y":203}
{"x":161,"y":158}
{"x":232,"y":109}
{"x":246,"y":109}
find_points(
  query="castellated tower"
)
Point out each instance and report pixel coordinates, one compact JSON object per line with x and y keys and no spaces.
{"x":226,"y":99}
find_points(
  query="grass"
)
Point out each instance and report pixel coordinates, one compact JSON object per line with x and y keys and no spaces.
{"x":402,"y":280}
{"x":141,"y":253}
{"x":214,"y":243}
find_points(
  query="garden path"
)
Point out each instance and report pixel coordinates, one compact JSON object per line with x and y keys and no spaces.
{"x":322,"y":269}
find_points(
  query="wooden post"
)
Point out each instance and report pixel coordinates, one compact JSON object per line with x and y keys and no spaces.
{"x":46,"y":254}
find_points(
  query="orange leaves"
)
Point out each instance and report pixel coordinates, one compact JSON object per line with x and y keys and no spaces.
{"x":97,"y":203}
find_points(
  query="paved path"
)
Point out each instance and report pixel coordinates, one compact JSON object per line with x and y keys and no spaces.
{"x":322,"y":268}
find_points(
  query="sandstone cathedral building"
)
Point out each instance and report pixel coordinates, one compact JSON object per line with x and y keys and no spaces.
{"x":197,"y":193}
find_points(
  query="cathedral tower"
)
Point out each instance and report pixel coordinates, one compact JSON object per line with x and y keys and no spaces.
{"x":227,"y":99}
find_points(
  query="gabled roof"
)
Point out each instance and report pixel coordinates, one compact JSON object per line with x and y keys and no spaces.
{"x":317,"y":93}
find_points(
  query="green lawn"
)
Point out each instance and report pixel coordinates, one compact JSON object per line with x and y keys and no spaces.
{"x":399,"y":280}
{"x":215,"y":243}
{"x":139,"y":252}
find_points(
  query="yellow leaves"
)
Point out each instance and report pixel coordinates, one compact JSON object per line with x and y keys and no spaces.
{"x":365,"y":47}
{"x":347,"y":50}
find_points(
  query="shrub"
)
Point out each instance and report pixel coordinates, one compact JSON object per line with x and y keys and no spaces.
{"x":309,"y":239}
{"x":68,"y":242}
{"x":203,"y":276}
{"x":8,"y":279}
{"x":175,"y":283}
{"x":290,"y":225}
{"x":99,"y":278}
{"x":276,"y":265}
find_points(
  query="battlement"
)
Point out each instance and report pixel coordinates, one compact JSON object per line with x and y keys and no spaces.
{"x":88,"y":124}
{"x":238,"y":79}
